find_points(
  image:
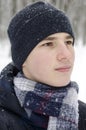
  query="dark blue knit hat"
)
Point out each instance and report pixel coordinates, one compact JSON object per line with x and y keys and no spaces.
{"x":31,"y":25}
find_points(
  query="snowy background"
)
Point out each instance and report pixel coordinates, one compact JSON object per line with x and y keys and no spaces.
{"x":79,"y":71}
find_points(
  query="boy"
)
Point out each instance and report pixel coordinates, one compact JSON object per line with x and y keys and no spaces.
{"x":36,"y":91}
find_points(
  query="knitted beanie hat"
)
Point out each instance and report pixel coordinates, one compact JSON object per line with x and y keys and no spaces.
{"x":31,"y":25}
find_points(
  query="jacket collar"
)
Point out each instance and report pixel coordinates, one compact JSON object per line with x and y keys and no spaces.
{"x":8,"y":99}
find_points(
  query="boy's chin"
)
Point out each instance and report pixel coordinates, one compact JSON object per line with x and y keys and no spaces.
{"x":62,"y":84}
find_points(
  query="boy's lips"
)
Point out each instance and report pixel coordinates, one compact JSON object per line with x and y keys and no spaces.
{"x":63,"y":69}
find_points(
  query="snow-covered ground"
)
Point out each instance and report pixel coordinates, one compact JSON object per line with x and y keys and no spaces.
{"x":79,"y":71}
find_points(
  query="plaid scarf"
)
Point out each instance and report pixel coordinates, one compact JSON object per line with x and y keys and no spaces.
{"x":52,"y":108}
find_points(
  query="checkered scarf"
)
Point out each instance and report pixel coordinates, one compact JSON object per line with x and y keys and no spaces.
{"x":53,"y":108}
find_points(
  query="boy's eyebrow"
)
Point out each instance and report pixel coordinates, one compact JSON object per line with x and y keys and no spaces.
{"x":50,"y":38}
{"x":53,"y":38}
{"x":69,"y":37}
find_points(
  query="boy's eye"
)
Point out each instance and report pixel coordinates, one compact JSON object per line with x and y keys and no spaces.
{"x":69,"y":42}
{"x":48,"y":44}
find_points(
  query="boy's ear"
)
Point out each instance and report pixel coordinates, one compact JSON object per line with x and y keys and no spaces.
{"x":23,"y":65}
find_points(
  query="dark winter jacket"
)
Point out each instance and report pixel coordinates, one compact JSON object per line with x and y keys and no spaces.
{"x":12,"y":115}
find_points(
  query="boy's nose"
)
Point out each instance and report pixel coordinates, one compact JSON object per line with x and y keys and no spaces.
{"x":63,"y":52}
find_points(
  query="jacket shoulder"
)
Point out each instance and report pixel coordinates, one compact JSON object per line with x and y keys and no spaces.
{"x":82,"y":108}
{"x":82,"y":115}
{"x":11,"y":121}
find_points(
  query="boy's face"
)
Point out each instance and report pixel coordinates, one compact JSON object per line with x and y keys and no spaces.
{"x":51,"y":61}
